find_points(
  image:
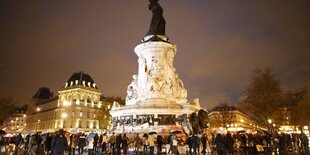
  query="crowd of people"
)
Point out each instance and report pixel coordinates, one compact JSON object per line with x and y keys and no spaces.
{"x":62,"y":142}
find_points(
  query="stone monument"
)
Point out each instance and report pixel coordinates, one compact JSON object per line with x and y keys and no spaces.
{"x":156,"y":97}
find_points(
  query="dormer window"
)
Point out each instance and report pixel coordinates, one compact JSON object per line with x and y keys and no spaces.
{"x":76,"y":82}
{"x":88,"y":83}
{"x":83,"y":83}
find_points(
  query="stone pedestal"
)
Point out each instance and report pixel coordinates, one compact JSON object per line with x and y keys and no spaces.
{"x":157,"y":78}
{"x":156,"y":92}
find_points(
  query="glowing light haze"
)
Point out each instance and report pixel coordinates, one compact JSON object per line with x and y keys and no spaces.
{"x":219,"y":44}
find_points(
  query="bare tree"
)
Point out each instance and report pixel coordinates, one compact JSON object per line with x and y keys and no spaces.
{"x":300,"y":113}
{"x":8,"y":105}
{"x":262,"y":96}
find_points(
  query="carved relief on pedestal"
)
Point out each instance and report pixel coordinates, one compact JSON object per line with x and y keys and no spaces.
{"x":157,"y":77}
{"x":132,"y":92}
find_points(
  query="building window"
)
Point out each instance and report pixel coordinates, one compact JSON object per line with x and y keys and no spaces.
{"x":80,"y":124}
{"x":94,"y":125}
{"x":88,"y":114}
{"x":87,"y":124}
{"x":81,"y":114}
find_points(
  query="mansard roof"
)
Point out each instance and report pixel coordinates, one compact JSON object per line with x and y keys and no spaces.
{"x":43,"y":93}
{"x":224,"y":107}
{"x":80,"y":79}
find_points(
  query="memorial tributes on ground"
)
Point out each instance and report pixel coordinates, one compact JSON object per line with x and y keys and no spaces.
{"x":156,"y":98}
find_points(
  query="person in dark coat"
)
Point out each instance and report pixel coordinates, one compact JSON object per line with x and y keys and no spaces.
{"x":159,"y":144}
{"x":26,"y":142}
{"x":70,"y":144}
{"x":81,"y":143}
{"x":118,"y":144}
{"x":189,"y":142}
{"x":304,"y":142}
{"x":96,"y":139}
{"x":125,"y":143}
{"x":229,"y":143}
{"x":48,"y":143}
{"x":145,"y":143}
{"x":220,"y":144}
{"x":18,"y":141}
{"x":100,"y":142}
{"x":204,"y":142}
{"x":112,"y":141}
{"x":243,"y":141}
{"x":196,"y":142}
{"x":282,"y":143}
{"x":169,"y":141}
{"x":59,"y":143}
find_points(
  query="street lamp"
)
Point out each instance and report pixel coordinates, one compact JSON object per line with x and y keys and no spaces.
{"x":269,"y":121}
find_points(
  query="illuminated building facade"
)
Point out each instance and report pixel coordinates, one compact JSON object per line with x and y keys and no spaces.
{"x":78,"y":106}
{"x":232,"y":119}
{"x":16,"y":121}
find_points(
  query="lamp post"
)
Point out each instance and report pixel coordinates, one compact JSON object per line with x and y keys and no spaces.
{"x":273,"y":127}
{"x":270,"y":121}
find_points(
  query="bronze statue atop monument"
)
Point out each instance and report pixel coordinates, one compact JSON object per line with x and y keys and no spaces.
{"x":157,"y":27}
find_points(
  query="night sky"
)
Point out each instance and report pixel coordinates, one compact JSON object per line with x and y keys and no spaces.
{"x":220,"y":43}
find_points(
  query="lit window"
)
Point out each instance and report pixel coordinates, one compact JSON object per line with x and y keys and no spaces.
{"x":64,"y":115}
{"x":66,"y":103}
{"x":77,"y":124}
